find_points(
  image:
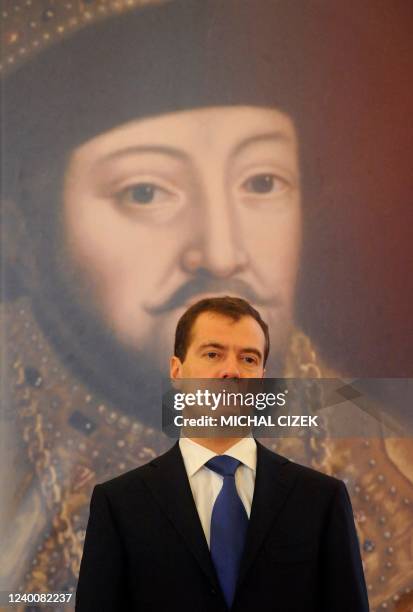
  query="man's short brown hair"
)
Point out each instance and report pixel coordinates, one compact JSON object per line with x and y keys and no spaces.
{"x":232,"y":307}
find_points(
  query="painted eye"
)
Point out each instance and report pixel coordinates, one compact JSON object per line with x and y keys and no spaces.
{"x":212,"y":355}
{"x":144,"y":193}
{"x":264,"y":183}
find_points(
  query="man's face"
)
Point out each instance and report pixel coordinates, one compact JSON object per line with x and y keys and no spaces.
{"x":161,"y":212}
{"x":222,"y":348}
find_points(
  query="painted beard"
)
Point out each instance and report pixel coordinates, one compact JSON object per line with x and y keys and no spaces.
{"x":128,"y":377}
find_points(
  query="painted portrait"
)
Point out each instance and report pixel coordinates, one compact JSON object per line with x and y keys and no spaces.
{"x":155,"y":153}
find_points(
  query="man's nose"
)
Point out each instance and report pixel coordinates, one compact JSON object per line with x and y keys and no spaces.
{"x":230,"y":368}
{"x":218,"y":243}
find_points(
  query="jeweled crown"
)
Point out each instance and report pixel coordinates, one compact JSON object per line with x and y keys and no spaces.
{"x":32,"y":25}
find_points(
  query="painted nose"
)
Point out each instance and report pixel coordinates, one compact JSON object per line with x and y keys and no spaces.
{"x":218,"y":248}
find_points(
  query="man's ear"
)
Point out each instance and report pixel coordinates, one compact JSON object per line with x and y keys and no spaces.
{"x":175,"y":368}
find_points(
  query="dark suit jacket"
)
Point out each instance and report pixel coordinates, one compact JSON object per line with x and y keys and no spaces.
{"x":145,"y":549}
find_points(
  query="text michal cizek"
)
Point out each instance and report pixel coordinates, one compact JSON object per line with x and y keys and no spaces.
{"x":303,"y":420}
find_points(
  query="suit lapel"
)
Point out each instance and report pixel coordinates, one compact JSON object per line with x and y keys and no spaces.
{"x":272,"y":486}
{"x":167,"y":479}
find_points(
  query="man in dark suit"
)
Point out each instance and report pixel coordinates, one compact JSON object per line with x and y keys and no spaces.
{"x":221,"y":523}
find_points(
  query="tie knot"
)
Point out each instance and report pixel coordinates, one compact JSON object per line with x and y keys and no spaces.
{"x":223,"y":465}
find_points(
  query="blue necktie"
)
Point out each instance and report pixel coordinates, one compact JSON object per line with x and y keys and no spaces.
{"x":229,"y":522}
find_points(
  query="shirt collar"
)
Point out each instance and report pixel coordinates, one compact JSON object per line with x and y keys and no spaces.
{"x":195,"y":455}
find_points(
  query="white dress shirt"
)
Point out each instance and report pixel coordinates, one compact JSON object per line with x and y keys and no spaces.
{"x":206,"y":484}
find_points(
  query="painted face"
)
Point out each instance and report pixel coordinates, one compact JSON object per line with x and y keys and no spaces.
{"x":222,"y":348}
{"x":161,"y":212}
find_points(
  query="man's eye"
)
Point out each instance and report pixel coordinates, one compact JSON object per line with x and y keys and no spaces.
{"x":144,"y":193}
{"x":211,"y":354}
{"x":264,"y":183}
{"x":250,"y":360}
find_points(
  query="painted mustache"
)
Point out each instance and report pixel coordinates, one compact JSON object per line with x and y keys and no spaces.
{"x":204,"y":283}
